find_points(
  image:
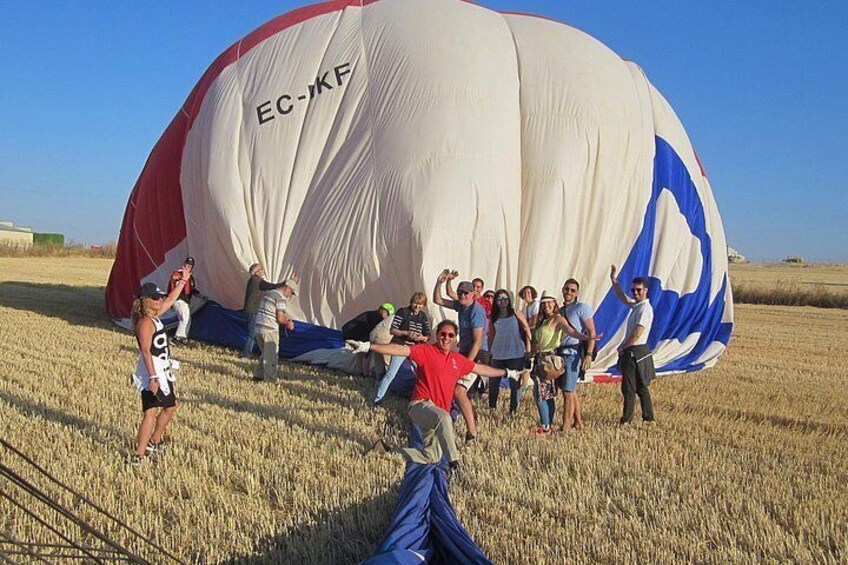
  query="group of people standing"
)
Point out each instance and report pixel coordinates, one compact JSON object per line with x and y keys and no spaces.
{"x":493,"y":339}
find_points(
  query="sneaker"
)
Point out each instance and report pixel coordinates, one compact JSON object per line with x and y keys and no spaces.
{"x":155,"y":448}
{"x":258,"y":379}
{"x":135,"y":460}
{"x":541,"y":431}
{"x":454,"y":471}
{"x":470,"y":438}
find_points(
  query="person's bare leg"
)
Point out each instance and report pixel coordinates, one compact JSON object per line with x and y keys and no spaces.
{"x":460,"y":394}
{"x":578,"y":411}
{"x":567,"y":411}
{"x":144,"y":431}
{"x":162,"y":422}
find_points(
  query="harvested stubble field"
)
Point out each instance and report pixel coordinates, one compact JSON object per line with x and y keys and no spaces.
{"x":747,"y":463}
{"x":787,"y":284}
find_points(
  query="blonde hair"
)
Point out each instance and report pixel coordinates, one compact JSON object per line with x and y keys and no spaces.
{"x":139,"y":310}
{"x":417,"y":297}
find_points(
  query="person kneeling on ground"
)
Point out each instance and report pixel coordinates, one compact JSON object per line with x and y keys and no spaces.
{"x":273,"y":313}
{"x":363,"y":324}
{"x":438,"y":369}
{"x":153,"y":377}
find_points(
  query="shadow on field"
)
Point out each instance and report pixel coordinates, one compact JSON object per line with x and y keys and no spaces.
{"x":345,"y":536}
{"x":78,"y":305}
{"x":776,"y":420}
{"x":105,"y":435}
{"x":282,"y":413}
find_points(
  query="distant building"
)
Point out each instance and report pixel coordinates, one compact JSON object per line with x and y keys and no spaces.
{"x":15,"y":236}
{"x":794,"y":259}
{"x":734,"y":256}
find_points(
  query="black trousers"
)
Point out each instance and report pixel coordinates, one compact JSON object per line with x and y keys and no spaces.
{"x":635,"y":378}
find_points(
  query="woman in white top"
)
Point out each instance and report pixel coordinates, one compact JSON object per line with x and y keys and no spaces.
{"x":530,"y":306}
{"x":153,"y":376}
{"x":509,"y":346}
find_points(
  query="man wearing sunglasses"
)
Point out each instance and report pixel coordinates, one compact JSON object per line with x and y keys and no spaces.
{"x":473,"y":324}
{"x":635,"y":358}
{"x":438,"y":368}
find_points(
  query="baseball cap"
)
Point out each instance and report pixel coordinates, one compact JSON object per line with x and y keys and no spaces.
{"x":292,"y":284}
{"x":465,"y":286}
{"x":150,"y":290}
{"x":189,"y":261}
{"x":388,"y":307}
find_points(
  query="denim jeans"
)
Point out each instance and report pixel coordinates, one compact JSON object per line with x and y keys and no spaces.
{"x":547,"y":407}
{"x":395,"y":364}
{"x":251,"y":336}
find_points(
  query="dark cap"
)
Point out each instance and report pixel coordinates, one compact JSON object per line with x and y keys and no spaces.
{"x":189,"y":261}
{"x":465,"y":286}
{"x":150,"y":290}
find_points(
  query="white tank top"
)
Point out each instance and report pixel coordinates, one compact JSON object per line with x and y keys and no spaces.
{"x":160,"y":352}
{"x":508,"y":342}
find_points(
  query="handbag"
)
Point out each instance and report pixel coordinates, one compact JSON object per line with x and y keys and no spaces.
{"x":551,"y":366}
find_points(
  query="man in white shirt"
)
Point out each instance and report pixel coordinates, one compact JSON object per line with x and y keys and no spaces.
{"x":635,"y":358}
{"x":271,"y":315}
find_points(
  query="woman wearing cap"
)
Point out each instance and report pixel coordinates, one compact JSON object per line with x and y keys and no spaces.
{"x":547,"y":335}
{"x":509,"y":345}
{"x":410,"y":326}
{"x":153,"y":377}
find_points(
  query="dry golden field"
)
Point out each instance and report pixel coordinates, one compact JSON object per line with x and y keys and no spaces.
{"x":823,"y":285}
{"x":747,"y":463}
{"x":769,"y":274}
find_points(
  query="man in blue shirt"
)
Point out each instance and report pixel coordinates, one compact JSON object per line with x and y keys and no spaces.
{"x":472,"y":339}
{"x":576,"y":354}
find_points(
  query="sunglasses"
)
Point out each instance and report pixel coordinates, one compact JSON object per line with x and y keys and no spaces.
{"x":503,"y":298}
{"x":461,"y":293}
{"x":447,"y":334}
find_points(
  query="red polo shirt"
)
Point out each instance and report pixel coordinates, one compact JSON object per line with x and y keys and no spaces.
{"x":437,"y":373}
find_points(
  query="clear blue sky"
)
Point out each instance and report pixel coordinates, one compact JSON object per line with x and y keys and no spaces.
{"x":87,"y":88}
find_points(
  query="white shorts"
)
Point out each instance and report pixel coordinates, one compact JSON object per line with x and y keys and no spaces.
{"x":467,"y":381}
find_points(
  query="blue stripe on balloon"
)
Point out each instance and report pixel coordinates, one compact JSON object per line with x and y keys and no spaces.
{"x":675,"y":316}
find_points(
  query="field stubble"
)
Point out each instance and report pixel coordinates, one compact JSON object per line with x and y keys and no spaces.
{"x":746,"y":464}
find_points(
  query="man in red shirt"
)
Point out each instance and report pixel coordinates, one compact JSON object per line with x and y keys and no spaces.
{"x":439,"y":368}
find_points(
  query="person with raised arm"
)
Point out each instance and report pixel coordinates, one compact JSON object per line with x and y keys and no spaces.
{"x":153,"y":375}
{"x":635,"y":359}
{"x":472,"y":340}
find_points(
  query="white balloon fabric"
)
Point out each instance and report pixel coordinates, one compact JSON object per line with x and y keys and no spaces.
{"x":368,"y":145}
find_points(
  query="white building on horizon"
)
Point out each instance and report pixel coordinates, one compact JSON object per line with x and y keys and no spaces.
{"x":15,"y":236}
